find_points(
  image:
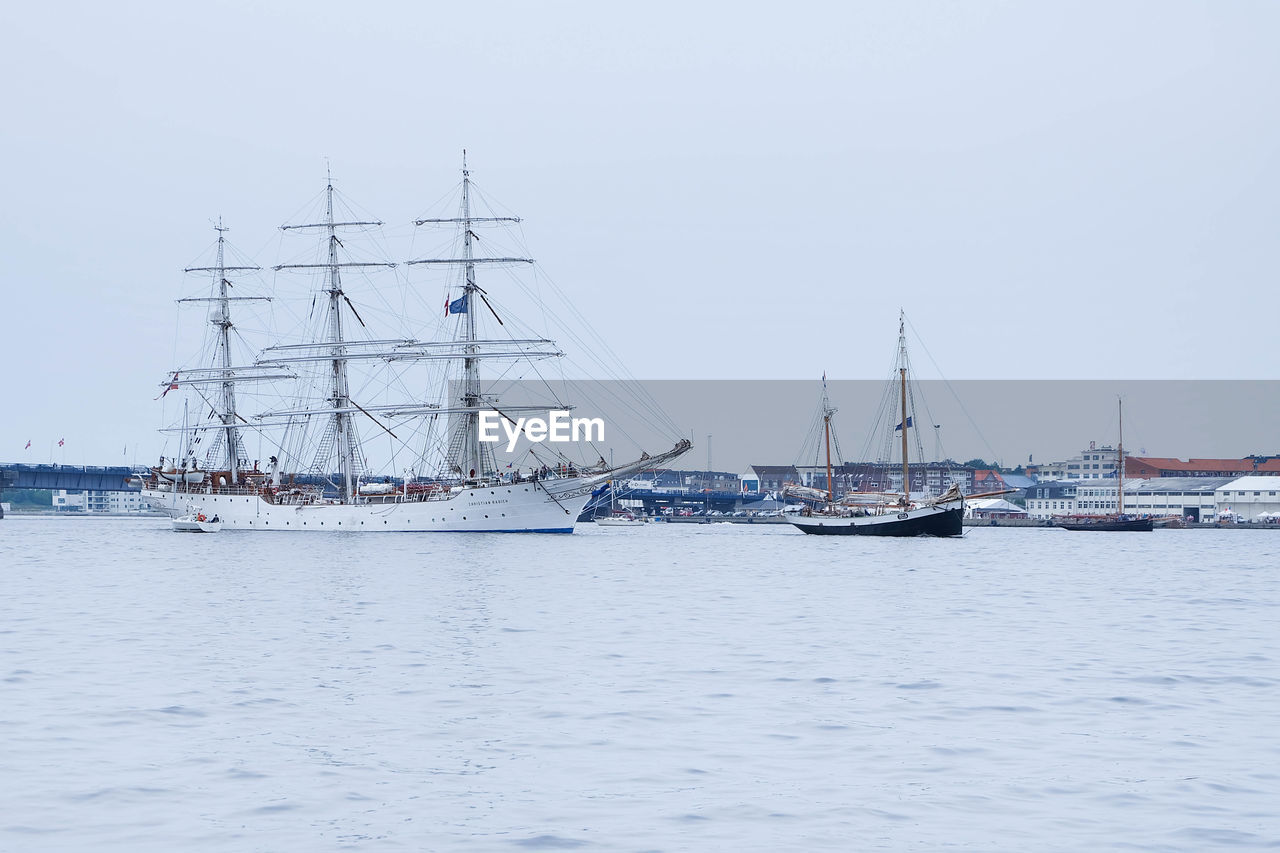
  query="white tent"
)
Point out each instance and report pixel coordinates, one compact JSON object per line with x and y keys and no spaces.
{"x":987,"y":507}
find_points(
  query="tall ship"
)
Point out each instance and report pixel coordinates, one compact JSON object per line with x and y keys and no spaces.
{"x":365,"y":430}
{"x":880,"y":513}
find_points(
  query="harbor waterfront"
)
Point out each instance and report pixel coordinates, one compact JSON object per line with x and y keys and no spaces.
{"x":662,"y":687}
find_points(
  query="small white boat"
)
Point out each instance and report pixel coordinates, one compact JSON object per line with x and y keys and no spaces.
{"x":196,"y":522}
{"x":618,"y":517}
{"x":620,"y":520}
{"x":189,"y":476}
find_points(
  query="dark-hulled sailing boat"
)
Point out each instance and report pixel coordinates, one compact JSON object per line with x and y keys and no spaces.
{"x":882,"y":514}
{"x":1118,"y":521}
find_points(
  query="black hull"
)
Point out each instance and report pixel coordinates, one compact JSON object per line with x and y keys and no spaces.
{"x":1111,"y":525}
{"x":947,"y":522}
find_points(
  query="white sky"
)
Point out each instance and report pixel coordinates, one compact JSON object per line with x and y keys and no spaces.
{"x":739,"y":191}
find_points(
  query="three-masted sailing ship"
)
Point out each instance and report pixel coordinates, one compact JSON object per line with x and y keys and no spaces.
{"x":879,"y":513}
{"x":1118,"y":521}
{"x":319,"y":476}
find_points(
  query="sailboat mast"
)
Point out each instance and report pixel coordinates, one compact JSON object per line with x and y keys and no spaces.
{"x":826,"y":430}
{"x":223,"y":321}
{"x":902,"y":373}
{"x":470,"y":366}
{"x":338,"y":373}
{"x":224,"y":373}
{"x":1120,"y":462}
{"x":346,"y":442}
{"x":465,"y":452}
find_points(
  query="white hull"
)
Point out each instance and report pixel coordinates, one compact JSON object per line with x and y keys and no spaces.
{"x":501,"y":508}
{"x":190,"y":477}
{"x":186,"y":524}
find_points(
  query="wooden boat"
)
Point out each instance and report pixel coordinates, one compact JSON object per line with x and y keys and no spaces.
{"x":1118,"y":521}
{"x":881,"y":515}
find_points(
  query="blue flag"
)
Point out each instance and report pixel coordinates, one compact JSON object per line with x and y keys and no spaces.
{"x":457,"y":306}
{"x":910,"y":423}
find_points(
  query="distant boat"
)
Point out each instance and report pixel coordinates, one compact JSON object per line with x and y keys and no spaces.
{"x":196,"y":522}
{"x":1118,"y":521}
{"x":880,"y":514}
{"x":620,"y":520}
{"x":618,"y":517}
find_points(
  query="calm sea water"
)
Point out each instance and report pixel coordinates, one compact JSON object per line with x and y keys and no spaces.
{"x":708,"y":687}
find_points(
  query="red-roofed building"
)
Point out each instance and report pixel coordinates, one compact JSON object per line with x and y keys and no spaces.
{"x":986,"y":480}
{"x":1155,"y":466}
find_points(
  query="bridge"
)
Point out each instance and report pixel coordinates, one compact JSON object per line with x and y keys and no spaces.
{"x":122,"y":478}
{"x":655,"y":501}
{"x":96,"y":478}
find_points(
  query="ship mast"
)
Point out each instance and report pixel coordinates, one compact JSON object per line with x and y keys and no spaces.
{"x":827,"y":412}
{"x":470,"y":366}
{"x":221,"y":320}
{"x":1120,"y":462}
{"x":469,"y":460}
{"x":341,"y":426}
{"x":902,"y":373}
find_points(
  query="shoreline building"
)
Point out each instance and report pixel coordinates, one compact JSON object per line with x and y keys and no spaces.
{"x":1251,"y":498}
{"x":1094,"y":463}
{"x":1156,"y":466}
{"x":926,"y":477}
{"x":92,"y":500}
{"x":1197,"y":499}
{"x":768,"y":478}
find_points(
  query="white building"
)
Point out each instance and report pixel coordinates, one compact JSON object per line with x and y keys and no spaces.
{"x":1046,"y":500}
{"x":68,"y":500}
{"x":768,"y":478}
{"x":1248,"y":497}
{"x":1193,"y":498}
{"x":1187,"y":497}
{"x":88,"y":500}
{"x":1094,"y":463}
